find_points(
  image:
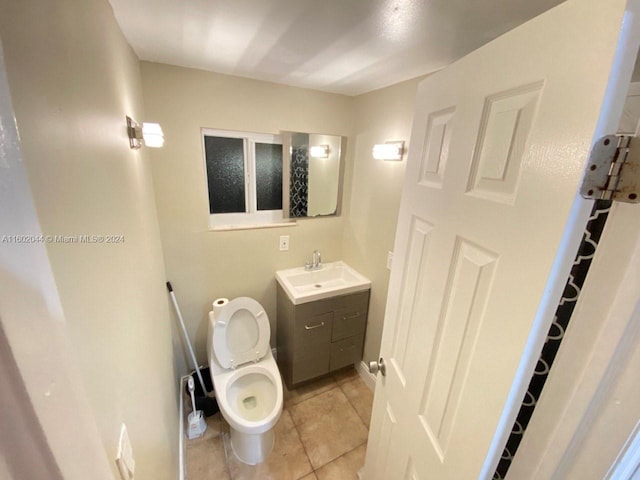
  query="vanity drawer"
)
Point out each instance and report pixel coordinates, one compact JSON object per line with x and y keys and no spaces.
{"x":348,"y":322}
{"x":313,"y":330}
{"x":346,"y":352}
{"x":351,"y":299}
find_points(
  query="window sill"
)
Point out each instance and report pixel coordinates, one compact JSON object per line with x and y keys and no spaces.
{"x":246,"y":221}
{"x":224,"y":228}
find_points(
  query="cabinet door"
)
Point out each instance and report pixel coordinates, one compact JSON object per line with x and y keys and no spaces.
{"x":312,"y":330}
{"x":311,"y":355}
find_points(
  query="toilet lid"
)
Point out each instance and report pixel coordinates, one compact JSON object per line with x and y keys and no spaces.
{"x":241,"y":333}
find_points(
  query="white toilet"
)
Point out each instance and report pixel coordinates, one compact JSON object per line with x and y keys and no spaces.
{"x":245,"y":377}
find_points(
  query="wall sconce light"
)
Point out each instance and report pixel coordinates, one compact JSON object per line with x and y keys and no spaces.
{"x":319,"y":151}
{"x":151,"y":133}
{"x":388,"y":150}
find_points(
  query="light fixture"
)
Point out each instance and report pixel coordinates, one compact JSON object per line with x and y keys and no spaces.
{"x":319,"y":151}
{"x":151,"y":133}
{"x":388,"y":150}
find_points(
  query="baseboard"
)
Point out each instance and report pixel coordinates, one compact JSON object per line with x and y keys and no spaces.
{"x":368,"y":378}
{"x":182,"y":447}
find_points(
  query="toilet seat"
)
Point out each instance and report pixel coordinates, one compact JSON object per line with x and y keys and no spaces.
{"x":241,"y":333}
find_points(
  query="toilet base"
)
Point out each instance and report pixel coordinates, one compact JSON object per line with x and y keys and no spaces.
{"x":252,"y":449}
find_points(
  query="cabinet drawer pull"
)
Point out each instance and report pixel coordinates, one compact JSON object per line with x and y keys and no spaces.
{"x":307,"y":327}
{"x":349,"y":317}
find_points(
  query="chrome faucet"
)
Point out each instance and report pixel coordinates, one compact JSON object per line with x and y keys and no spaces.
{"x":315,"y":263}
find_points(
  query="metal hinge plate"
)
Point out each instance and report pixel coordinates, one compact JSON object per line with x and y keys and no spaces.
{"x":613,"y":170}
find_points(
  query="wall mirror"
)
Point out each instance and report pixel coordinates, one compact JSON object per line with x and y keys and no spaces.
{"x":312,"y":173}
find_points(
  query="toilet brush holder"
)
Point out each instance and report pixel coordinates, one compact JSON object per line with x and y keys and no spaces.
{"x":196,"y":423}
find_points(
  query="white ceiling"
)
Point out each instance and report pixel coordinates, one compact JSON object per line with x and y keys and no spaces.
{"x":341,"y":46}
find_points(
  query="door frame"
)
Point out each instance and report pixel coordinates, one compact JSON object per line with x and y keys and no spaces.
{"x":597,"y":347}
{"x":609,"y":322}
{"x":619,"y":81}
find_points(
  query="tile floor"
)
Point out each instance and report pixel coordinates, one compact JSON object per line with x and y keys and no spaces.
{"x":321,"y":435}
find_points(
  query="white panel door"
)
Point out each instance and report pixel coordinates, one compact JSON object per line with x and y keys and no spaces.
{"x":496,"y":157}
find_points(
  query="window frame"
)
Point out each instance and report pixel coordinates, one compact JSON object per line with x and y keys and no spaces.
{"x":252,"y":217}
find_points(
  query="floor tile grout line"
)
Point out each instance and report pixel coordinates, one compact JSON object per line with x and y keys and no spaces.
{"x":339,"y":386}
{"x":304,"y":448}
{"x":357,"y":413}
{"x":339,"y":457}
{"x":354,"y":407}
{"x":309,"y":398}
{"x":318,"y":393}
{"x":314,"y":469}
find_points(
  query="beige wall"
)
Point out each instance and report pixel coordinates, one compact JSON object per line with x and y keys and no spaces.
{"x":40,"y":383}
{"x":203,"y":265}
{"x":375,"y":188}
{"x":73,"y":78}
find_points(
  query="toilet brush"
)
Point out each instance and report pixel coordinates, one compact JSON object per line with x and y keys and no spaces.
{"x":197,"y":424}
{"x":205,"y":400}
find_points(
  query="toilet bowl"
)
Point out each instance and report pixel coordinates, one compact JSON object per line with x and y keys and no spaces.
{"x":245,"y":377}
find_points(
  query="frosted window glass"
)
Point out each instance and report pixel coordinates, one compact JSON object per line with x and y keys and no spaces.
{"x":269,"y":176}
{"x":225,"y":174}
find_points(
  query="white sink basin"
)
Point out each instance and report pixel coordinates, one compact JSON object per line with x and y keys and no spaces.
{"x":336,"y":278}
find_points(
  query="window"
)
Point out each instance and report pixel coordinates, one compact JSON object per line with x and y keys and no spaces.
{"x":244,"y":178}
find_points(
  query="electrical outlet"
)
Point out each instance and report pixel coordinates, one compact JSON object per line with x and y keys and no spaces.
{"x":124,"y":460}
{"x":389,"y":260}
{"x":284,"y":243}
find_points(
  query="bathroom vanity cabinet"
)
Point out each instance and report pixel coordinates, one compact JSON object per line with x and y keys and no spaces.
{"x":321,"y":336}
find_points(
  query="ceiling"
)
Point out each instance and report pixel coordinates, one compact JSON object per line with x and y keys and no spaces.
{"x":340,"y":46}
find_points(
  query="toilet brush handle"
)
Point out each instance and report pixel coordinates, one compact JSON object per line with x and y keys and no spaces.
{"x":186,"y":337}
{"x":192,"y":386}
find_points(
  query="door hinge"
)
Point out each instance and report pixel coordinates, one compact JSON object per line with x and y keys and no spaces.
{"x":613,"y":170}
